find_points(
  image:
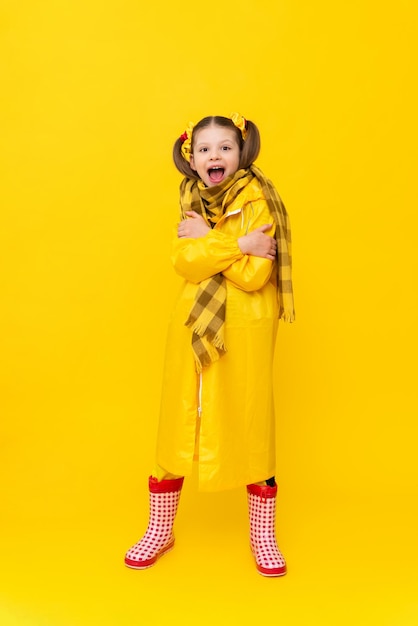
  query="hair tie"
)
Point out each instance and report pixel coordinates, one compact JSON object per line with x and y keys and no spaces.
{"x":186,"y":142}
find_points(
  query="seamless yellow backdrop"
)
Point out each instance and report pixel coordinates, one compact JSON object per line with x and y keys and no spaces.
{"x":93,"y":96}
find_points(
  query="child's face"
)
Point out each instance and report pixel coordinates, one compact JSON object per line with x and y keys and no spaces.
{"x":216,"y":154}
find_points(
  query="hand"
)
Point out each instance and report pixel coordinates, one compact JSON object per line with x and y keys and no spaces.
{"x":194,"y":227}
{"x":259,"y":244}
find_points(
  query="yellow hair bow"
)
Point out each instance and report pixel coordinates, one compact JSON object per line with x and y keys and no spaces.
{"x":186,"y":138}
{"x":240,"y":122}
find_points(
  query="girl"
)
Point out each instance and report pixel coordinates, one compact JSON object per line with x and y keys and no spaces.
{"x":232,"y":247}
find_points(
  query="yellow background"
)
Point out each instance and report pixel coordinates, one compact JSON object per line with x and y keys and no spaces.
{"x":93,"y":96}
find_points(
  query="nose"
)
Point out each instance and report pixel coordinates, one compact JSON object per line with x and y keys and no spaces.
{"x":214,"y":154}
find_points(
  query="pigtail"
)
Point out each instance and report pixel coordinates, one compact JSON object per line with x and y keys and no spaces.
{"x":180,"y":162}
{"x":251,"y":147}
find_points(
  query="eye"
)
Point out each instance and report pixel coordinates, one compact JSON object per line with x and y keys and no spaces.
{"x":203,"y":149}
{"x":226,"y":148}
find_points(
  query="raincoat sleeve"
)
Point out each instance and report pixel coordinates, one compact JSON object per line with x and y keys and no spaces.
{"x":198,"y":259}
{"x":251,"y":273}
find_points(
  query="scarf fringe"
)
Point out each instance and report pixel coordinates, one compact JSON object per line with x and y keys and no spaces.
{"x":201,"y":329}
{"x":287,"y":316}
{"x":212,"y":353}
{"x":197,"y":327}
{"x":218,"y":342}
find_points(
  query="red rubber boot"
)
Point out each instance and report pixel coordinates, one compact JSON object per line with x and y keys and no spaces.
{"x":159,"y":538}
{"x":262,"y":511}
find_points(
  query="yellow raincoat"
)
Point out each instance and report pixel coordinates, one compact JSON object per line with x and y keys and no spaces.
{"x":224,"y":418}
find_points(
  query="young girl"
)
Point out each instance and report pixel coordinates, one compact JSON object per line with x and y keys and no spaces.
{"x":232,"y":247}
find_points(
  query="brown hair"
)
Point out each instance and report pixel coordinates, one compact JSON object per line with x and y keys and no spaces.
{"x":249,"y":148}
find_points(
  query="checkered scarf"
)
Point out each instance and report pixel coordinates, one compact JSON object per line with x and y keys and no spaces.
{"x":207,"y":317}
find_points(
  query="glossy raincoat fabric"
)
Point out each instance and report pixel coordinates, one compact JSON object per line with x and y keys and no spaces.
{"x":224,"y":418}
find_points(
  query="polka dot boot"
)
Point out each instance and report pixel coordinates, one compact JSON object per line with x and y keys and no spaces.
{"x":158,"y":539}
{"x":262,"y":511}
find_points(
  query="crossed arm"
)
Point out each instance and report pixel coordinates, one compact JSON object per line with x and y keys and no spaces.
{"x":201,"y":252}
{"x":256,"y":242}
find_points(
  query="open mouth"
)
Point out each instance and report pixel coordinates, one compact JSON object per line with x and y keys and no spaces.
{"x":216,"y":174}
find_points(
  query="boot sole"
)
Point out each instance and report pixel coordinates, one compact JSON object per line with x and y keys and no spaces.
{"x":146,"y":564}
{"x":271,"y":575}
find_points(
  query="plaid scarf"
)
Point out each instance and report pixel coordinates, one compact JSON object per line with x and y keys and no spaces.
{"x":207,"y":317}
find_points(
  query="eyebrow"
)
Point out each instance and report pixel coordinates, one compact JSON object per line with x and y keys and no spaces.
{"x":205,"y":143}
